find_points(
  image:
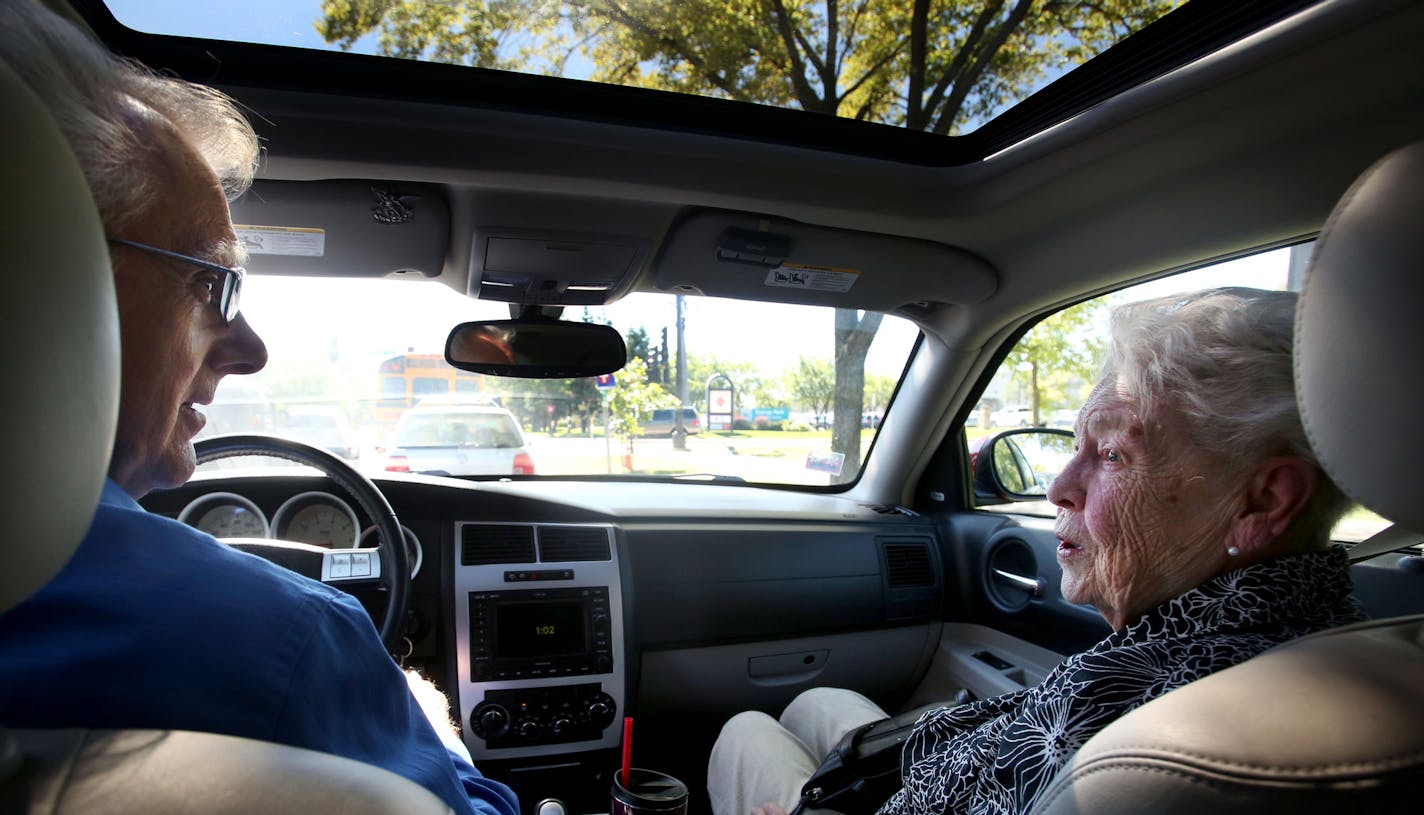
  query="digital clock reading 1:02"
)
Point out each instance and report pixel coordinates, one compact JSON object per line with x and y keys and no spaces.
{"x":541,"y":629}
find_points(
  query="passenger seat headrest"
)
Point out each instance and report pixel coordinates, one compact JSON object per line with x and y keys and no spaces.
{"x":1359,"y":336}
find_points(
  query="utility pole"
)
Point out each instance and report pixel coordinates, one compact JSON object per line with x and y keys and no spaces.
{"x":681,"y":349}
{"x":679,"y":433}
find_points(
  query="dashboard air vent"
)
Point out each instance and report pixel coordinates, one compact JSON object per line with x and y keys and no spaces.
{"x":481,"y":544}
{"x":558,"y":544}
{"x":908,"y":564}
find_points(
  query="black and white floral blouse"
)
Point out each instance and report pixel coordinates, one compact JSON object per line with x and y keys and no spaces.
{"x":997,"y":755}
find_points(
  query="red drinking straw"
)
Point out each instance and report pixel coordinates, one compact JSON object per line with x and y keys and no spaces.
{"x":627,"y":748}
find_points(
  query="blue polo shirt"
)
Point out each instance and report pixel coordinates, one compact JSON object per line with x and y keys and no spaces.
{"x":154,"y":624}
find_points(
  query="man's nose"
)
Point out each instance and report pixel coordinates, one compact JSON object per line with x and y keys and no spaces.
{"x":239,"y":350}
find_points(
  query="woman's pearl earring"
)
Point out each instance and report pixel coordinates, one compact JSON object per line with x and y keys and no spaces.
{"x":1233,"y":550}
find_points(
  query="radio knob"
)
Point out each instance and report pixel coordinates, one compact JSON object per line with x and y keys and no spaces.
{"x":600,"y":711}
{"x":529,"y":728}
{"x":490,"y":721}
{"x":603,"y":663}
{"x":600,"y":619}
{"x":562,"y":724}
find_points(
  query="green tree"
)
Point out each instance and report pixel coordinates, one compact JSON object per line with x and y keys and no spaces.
{"x":633,"y":397}
{"x":1062,"y":349}
{"x":855,"y":330}
{"x":814,"y":384}
{"x":878,"y":390}
{"x":922,"y":64}
{"x":637,"y":342}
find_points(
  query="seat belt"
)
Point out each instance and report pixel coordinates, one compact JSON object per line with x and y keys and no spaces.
{"x":1386,"y":540}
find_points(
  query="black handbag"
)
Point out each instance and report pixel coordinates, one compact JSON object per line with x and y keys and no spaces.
{"x":862,"y":771}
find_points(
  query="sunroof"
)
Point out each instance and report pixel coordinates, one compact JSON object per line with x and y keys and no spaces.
{"x":943,"y":67}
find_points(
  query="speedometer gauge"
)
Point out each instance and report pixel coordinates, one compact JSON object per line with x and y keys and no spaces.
{"x":225,"y":515}
{"x":370,"y":536}
{"x":317,"y":518}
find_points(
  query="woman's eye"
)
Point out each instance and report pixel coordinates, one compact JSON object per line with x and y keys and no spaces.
{"x":1111,"y":455}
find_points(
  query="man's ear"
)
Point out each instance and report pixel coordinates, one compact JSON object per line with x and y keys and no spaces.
{"x":1276,"y":491}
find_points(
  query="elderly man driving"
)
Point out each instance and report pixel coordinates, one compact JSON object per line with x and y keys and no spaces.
{"x":1193,"y":515}
{"x":153,"y":624}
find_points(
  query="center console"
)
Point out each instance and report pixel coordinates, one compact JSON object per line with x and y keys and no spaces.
{"x":539,"y":636}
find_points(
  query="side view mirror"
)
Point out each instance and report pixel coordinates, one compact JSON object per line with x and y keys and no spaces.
{"x":536,"y":348}
{"x":1019,"y":465}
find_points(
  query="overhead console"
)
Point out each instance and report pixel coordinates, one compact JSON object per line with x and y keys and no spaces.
{"x":539,"y":636}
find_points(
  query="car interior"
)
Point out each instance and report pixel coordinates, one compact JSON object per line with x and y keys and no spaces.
{"x":1229,"y":130}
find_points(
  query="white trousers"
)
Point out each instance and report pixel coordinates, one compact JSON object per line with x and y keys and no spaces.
{"x":759,"y":760}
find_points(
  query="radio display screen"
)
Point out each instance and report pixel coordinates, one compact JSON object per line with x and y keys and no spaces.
{"x":540,"y":629}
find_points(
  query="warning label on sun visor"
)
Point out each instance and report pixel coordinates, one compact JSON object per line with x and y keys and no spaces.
{"x":812,"y":278}
{"x":282,"y":240}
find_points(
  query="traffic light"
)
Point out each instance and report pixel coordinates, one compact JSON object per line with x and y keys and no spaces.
{"x":663,"y":360}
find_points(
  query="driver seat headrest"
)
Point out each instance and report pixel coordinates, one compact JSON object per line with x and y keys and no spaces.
{"x":61,"y":339}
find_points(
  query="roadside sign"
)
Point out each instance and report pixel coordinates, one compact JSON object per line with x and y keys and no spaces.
{"x":604,"y":382}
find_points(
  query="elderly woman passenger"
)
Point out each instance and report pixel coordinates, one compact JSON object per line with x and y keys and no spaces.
{"x":1194,"y":517}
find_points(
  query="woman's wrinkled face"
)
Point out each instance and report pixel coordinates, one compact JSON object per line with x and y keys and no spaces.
{"x":1142,"y":515}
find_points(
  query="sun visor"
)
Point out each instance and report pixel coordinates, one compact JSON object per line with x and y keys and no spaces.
{"x":348,"y":228}
{"x":748,"y":257}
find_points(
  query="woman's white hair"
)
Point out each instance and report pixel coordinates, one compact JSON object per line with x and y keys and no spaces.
{"x":106,"y":106}
{"x":1221,"y":360}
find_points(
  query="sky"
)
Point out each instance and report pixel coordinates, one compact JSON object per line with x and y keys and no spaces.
{"x":286,"y":22}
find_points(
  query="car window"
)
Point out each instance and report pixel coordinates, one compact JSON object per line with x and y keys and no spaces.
{"x":1047,"y":376}
{"x":375,"y":351}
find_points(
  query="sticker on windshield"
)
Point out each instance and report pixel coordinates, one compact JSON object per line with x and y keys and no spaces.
{"x":812,"y":278}
{"x":282,"y":240}
{"x":831,"y":463}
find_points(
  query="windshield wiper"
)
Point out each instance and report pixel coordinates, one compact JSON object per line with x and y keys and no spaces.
{"x":712,"y":478}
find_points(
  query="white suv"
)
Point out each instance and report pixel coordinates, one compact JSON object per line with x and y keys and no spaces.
{"x":456,"y":439}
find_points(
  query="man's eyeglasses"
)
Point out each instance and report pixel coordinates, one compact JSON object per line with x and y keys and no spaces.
{"x":225,"y":295}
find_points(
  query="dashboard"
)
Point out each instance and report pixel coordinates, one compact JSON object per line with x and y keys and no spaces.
{"x":549,"y":610}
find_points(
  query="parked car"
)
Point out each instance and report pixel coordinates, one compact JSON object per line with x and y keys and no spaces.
{"x":662,"y":421}
{"x":1011,"y":417}
{"x":455,"y":439}
{"x":324,"y":426}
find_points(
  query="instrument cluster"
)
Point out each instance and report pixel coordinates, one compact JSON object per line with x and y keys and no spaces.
{"x":317,"y":518}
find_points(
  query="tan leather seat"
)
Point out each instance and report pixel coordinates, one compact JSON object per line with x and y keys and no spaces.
{"x":61,"y":340}
{"x":1333,"y":722}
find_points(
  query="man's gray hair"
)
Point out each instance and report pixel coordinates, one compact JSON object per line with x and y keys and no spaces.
{"x":1221,"y":360}
{"x":106,"y":106}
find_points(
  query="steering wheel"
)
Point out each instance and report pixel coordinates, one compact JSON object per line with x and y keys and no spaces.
{"x":388,"y":558}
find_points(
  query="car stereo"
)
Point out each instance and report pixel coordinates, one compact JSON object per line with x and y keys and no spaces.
{"x":528,"y":633}
{"x":539,"y":657}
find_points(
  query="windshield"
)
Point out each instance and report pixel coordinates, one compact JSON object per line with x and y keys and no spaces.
{"x":357,"y":367}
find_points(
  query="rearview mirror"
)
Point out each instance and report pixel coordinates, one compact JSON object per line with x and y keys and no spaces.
{"x":1019,"y":465}
{"x":536,"y":348}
